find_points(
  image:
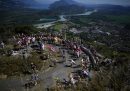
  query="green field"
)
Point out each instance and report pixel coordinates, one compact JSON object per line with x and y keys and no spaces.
{"x":122,"y":19}
{"x":95,"y":17}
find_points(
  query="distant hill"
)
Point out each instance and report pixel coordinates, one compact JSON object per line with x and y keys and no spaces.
{"x":34,"y":4}
{"x":66,"y":7}
{"x":11,"y":4}
{"x":20,"y":4}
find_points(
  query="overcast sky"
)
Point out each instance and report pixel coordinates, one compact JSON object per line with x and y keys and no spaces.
{"x":117,"y":2}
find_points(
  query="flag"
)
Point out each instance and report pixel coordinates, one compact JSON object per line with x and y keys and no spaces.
{"x":51,"y":48}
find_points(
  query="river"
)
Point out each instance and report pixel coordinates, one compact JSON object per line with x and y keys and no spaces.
{"x":62,"y":18}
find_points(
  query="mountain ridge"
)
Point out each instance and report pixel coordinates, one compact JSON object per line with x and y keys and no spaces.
{"x":63,"y":3}
{"x":16,"y":4}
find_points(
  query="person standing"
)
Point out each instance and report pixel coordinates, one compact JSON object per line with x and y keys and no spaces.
{"x":2,"y":45}
{"x":72,"y":62}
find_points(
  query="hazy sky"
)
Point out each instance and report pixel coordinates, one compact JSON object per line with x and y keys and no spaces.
{"x":118,"y":2}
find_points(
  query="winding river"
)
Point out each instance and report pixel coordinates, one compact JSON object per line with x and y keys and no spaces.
{"x":62,"y":19}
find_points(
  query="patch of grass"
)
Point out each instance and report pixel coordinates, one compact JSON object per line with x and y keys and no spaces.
{"x":104,"y":50}
{"x":12,"y":66}
{"x":58,"y":27}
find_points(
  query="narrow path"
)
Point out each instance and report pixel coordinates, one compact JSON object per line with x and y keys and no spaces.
{"x":47,"y":78}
